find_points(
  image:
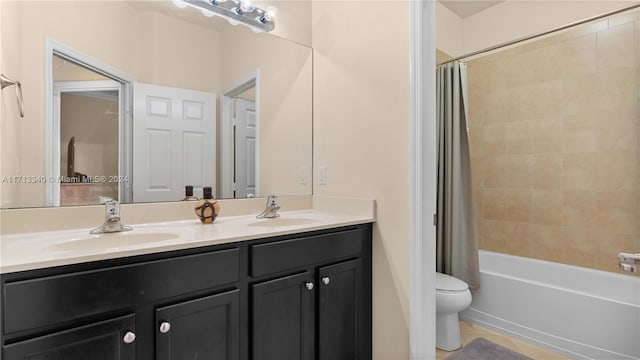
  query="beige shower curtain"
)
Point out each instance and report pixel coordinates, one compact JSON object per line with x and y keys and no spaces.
{"x":457,"y":247}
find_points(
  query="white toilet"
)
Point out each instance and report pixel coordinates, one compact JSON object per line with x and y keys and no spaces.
{"x":452,"y":296}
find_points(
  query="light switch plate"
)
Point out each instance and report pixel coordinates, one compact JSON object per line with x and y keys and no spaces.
{"x":323,"y":175}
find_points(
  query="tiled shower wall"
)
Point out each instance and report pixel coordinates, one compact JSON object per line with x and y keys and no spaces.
{"x":554,"y":134}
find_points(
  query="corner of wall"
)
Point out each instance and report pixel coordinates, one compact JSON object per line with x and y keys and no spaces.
{"x":449,"y":26}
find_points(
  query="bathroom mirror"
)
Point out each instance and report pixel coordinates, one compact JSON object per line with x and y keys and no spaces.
{"x":136,"y":99}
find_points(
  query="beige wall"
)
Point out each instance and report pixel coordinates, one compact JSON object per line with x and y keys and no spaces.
{"x":512,"y":19}
{"x":292,"y":19}
{"x":441,"y":56}
{"x":449,"y":36}
{"x":9,"y":118}
{"x":64,"y":70}
{"x":285,"y":104}
{"x":361,"y":134}
{"x":177,"y":42}
{"x":554,"y":132}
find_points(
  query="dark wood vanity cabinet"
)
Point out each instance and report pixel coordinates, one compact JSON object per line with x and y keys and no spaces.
{"x":98,"y":341}
{"x":283,"y":319}
{"x":206,"y":328}
{"x":298,"y":296}
{"x":340,"y":316}
{"x":316,"y":301}
{"x":291,"y":312}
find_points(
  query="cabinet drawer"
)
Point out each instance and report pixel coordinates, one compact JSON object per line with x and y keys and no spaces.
{"x":284,"y":255}
{"x":56,"y":299}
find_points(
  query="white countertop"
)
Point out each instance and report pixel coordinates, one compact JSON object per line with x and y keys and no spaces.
{"x":35,"y":250}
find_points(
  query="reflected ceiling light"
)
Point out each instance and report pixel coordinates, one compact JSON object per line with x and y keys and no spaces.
{"x":246,"y":7}
{"x":272,"y":11}
{"x":236,"y":12}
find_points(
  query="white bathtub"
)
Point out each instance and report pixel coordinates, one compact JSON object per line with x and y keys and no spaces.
{"x":582,"y":313}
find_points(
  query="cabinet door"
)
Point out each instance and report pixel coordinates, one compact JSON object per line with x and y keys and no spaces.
{"x":108,"y":340}
{"x":206,"y":328}
{"x":282,"y":318}
{"x":338,"y":315}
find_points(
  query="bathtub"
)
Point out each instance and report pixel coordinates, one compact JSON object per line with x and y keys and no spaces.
{"x":579,"y":312}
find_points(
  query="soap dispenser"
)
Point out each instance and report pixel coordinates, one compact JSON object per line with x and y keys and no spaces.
{"x":188,"y":194}
{"x":208,"y":208}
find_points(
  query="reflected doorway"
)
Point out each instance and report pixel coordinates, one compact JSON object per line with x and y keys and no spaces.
{"x":240,"y":129}
{"x":245,"y":136}
{"x":87,"y":120}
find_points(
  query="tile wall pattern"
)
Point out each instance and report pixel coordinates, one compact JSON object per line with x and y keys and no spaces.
{"x":554,"y":133}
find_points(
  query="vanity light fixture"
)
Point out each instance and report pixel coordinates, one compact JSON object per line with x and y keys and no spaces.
{"x":235,"y":11}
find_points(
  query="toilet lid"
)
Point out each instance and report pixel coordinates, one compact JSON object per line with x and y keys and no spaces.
{"x":449,"y":283}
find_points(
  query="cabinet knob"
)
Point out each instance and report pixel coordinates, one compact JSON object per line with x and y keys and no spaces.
{"x":165,"y":326}
{"x":129,"y":337}
{"x":309,"y":285}
{"x":326,"y":280}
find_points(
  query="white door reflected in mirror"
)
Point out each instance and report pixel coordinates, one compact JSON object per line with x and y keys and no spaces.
{"x":174,"y":142}
{"x":246,"y":134}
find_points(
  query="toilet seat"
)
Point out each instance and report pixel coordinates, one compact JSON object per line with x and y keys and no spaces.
{"x":448,"y":283}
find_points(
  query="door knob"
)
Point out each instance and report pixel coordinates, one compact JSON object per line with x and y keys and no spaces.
{"x":309,"y":285}
{"x":165,"y":326}
{"x":129,"y":337}
{"x":326,"y":280}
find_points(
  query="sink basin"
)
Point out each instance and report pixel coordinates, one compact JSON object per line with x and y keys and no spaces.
{"x":113,"y":240}
{"x":282,"y":221}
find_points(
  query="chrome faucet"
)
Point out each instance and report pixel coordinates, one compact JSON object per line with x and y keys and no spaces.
{"x":111,"y":218}
{"x":271,"y":209}
{"x":629,"y":262}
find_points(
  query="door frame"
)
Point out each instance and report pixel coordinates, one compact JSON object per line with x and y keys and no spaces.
{"x":227,"y":135}
{"x":52,"y":123}
{"x":422,"y":241}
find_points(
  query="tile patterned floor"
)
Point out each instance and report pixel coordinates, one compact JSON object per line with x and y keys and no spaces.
{"x":471,"y":331}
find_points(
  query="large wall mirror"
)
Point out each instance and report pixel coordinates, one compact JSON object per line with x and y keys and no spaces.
{"x":134,"y":100}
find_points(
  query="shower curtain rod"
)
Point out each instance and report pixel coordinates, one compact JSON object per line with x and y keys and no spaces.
{"x":513,"y":42}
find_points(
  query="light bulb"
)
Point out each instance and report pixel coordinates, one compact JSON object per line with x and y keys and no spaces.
{"x":272,"y":11}
{"x":246,"y":6}
{"x":263,"y":19}
{"x":207,"y":13}
{"x":180,"y":4}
